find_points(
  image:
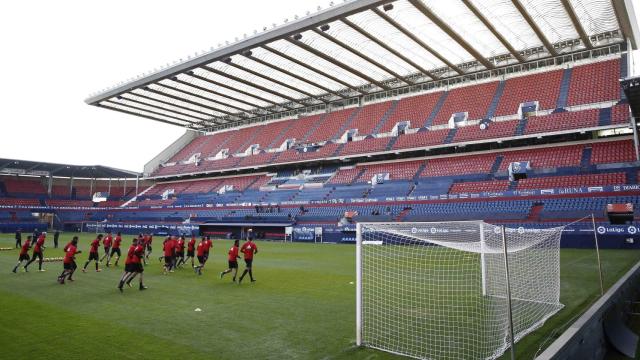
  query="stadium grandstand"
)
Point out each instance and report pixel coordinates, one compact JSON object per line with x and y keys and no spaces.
{"x":394,"y":111}
{"x":518,"y":113}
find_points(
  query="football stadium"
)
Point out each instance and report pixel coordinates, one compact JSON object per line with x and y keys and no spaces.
{"x":411,"y":179}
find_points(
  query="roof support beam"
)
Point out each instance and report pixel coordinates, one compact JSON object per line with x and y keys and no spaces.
{"x":168,"y":103}
{"x":515,"y":53}
{"x":275,"y":81}
{"x":201,"y":88}
{"x":216,"y":83}
{"x":452,"y":34}
{"x":124,"y":97}
{"x":627,"y":20}
{"x":295,"y":76}
{"x":150,"y":111}
{"x":383,"y":45}
{"x":101,"y":104}
{"x":338,"y":63}
{"x":184,"y":100}
{"x":203,"y":98}
{"x":576,"y":23}
{"x":534,"y":27}
{"x":417,"y":40}
{"x":250,"y":84}
{"x":358,"y":53}
{"x":314,"y":69}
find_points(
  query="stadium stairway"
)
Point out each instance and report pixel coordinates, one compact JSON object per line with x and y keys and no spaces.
{"x":436,"y":109}
{"x":338,"y":150}
{"x":391,"y":143}
{"x":278,"y":139}
{"x":419,"y":171}
{"x":496,"y":164}
{"x":496,"y":99}
{"x":564,"y":88}
{"x":450,"y":136}
{"x":126,"y":203}
{"x":346,"y":124}
{"x":585,"y":160}
{"x":522,"y":126}
{"x":385,"y":117}
{"x":604,"y":117}
{"x":314,"y":128}
{"x":355,"y":179}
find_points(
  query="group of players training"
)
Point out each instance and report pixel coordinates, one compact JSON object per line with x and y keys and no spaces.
{"x":138,"y":255}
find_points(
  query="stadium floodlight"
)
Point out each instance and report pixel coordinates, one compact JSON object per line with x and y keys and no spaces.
{"x":453,"y":290}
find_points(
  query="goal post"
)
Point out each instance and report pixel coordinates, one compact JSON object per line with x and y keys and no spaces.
{"x":453,"y":290}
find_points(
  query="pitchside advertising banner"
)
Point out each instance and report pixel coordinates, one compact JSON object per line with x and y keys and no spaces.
{"x":184,"y":228}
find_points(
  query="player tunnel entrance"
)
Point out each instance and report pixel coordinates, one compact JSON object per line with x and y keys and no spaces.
{"x":263,"y":231}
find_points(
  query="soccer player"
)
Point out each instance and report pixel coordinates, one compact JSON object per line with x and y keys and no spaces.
{"x":38,"y":249}
{"x":24,"y":253}
{"x":115,"y":249}
{"x":180,"y":251}
{"x":191,"y":247}
{"x":248,"y":249}
{"x":233,"y":261}
{"x":56,"y":236}
{"x":209,"y":245}
{"x":106,"y":243}
{"x":18,"y":239}
{"x":169,"y":248}
{"x":93,"y":253}
{"x":133,"y":265}
{"x":201,"y":249}
{"x":69,"y":261}
{"x":148,"y":239}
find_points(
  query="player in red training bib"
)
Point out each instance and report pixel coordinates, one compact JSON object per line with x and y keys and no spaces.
{"x":233,"y":261}
{"x":133,"y":265}
{"x":107,"y":242}
{"x":38,"y":250}
{"x":201,"y":250}
{"x":69,"y":262}
{"x":191,"y":248}
{"x":248,"y":249}
{"x":93,"y":253}
{"x":115,"y":249}
{"x":179,"y":251}
{"x":24,"y":254}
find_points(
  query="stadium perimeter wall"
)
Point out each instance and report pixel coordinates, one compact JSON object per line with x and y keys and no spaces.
{"x":585,"y":339}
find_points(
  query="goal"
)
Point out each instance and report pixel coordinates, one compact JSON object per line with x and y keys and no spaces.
{"x":446,"y":290}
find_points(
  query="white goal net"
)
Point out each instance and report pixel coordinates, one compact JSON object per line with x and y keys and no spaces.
{"x":439,"y":290}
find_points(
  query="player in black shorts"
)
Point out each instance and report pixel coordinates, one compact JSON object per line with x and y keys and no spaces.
{"x":24,"y":253}
{"x":233,"y":261}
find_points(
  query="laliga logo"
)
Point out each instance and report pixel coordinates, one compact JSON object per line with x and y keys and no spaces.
{"x":521,"y":230}
{"x":601,"y":230}
{"x":414,"y":230}
{"x":632,"y":230}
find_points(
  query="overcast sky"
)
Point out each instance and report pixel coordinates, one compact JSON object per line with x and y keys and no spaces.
{"x":54,"y":53}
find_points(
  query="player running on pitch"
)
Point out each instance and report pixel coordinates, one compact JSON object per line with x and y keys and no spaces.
{"x":24,"y":254}
{"x":69,"y":261}
{"x":179,"y":252}
{"x":191,"y":247}
{"x":233,"y":261}
{"x":38,"y":250}
{"x":169,"y":248}
{"x":93,"y":254}
{"x":115,"y":249}
{"x":201,"y":251}
{"x":107,"y":242}
{"x":248,"y":249}
{"x":133,"y":265}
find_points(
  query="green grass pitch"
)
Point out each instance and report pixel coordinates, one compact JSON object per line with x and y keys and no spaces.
{"x":301,"y":307}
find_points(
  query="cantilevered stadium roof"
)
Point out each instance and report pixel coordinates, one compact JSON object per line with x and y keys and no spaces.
{"x":362,"y":47}
{"x":38,"y":168}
